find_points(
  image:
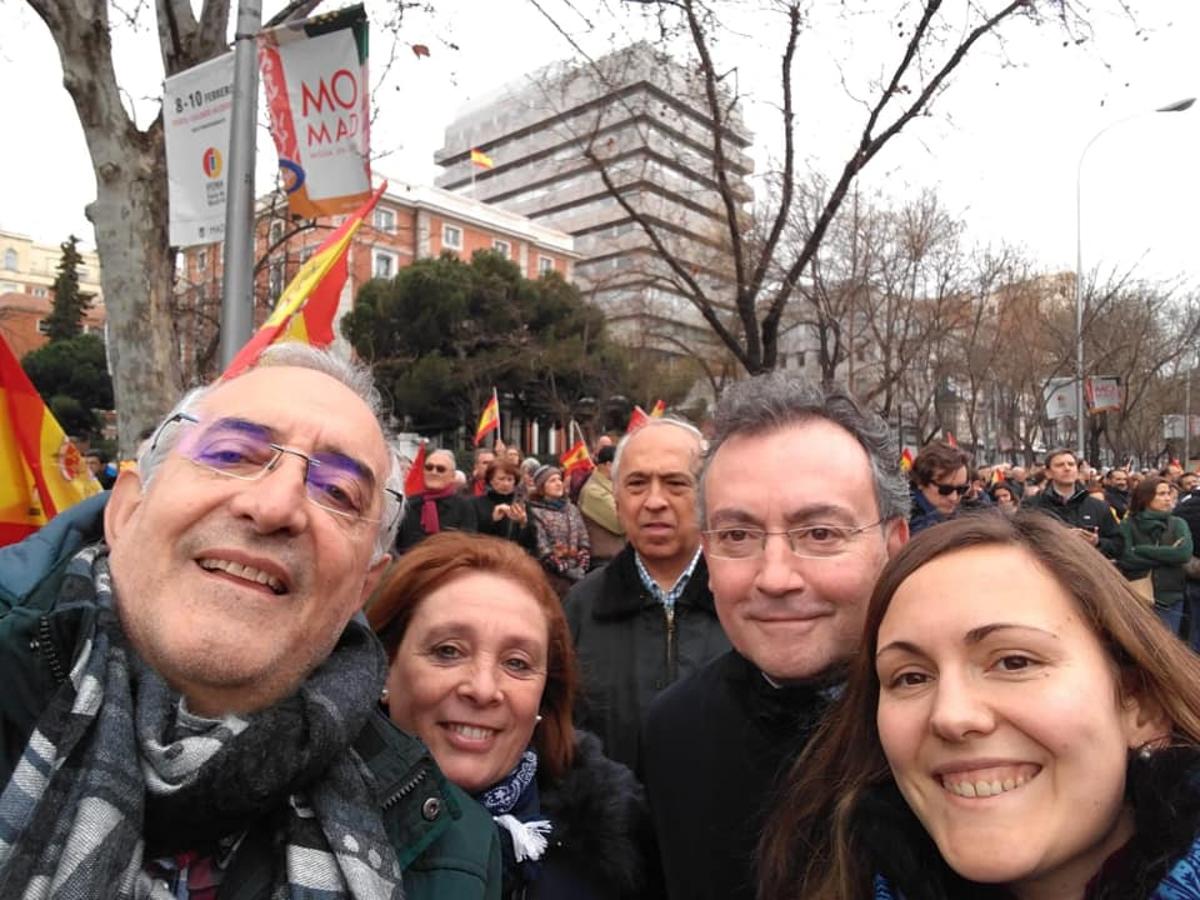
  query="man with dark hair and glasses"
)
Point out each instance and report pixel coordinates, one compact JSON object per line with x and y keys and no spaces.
{"x":190,"y":701}
{"x":801,"y":504}
{"x":442,"y":506}
{"x":940,"y":480}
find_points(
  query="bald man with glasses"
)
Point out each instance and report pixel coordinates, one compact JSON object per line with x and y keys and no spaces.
{"x":801,"y":504}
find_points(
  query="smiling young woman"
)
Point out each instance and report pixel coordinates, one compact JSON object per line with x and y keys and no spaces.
{"x":1017,"y":724}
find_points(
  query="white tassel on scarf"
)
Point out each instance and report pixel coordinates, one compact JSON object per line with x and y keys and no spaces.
{"x":528,"y":838}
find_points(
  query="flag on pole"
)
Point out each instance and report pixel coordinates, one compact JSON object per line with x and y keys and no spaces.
{"x":637,"y":419}
{"x":489,"y":419}
{"x":481,"y":159}
{"x":41,"y":471}
{"x":576,"y":457}
{"x":657,"y":410}
{"x":951,"y":439}
{"x":414,"y":481}
{"x":307,"y":306}
{"x":906,"y":460}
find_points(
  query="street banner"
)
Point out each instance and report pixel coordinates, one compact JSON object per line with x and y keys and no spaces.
{"x":489,"y":419}
{"x":314,"y":75}
{"x":1059,"y":397}
{"x":196,"y":110}
{"x":306,"y":309}
{"x":1102,"y":394}
{"x":41,"y":471}
{"x":1172,"y":427}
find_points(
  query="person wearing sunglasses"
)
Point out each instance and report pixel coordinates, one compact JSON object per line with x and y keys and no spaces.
{"x":190,"y":699}
{"x":939,"y":482}
{"x":442,"y":506}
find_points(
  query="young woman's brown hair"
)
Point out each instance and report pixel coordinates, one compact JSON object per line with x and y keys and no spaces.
{"x":443,"y":557}
{"x":811,"y":847}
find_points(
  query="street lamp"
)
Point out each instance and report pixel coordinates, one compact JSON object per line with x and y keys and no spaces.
{"x":1177,"y":106}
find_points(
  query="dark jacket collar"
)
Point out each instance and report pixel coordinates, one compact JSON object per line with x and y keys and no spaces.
{"x":622,"y":593}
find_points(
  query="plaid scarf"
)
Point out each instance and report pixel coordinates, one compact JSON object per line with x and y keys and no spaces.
{"x":109,"y":766}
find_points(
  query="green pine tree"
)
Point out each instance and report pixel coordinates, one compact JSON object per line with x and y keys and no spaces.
{"x":70,"y":304}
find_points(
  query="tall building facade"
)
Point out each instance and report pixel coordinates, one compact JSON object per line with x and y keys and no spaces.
{"x":642,"y":120}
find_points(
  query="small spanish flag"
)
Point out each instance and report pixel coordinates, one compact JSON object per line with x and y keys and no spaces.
{"x":481,"y":159}
{"x":637,"y":419}
{"x":306,"y":308}
{"x":906,"y":460}
{"x":489,"y":419}
{"x":576,"y":457}
{"x":657,"y":410}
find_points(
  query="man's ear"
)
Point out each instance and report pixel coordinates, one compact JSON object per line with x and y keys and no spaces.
{"x":374,"y":573}
{"x":897,"y":536}
{"x":125,"y":499}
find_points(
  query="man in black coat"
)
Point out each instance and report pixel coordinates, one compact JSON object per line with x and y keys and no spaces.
{"x":1116,"y":491}
{"x":647,"y":618}
{"x":1065,"y":498}
{"x":802,"y":504}
{"x":440,"y":507}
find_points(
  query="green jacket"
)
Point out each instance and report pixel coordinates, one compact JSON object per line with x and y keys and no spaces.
{"x":447,"y":844}
{"x":1157,"y":544}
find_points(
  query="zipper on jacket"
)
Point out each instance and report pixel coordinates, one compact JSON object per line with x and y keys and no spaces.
{"x":669,"y":613}
{"x":44,"y":644}
{"x":406,"y":789}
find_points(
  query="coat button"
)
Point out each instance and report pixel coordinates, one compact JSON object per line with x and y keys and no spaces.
{"x":431,"y":808}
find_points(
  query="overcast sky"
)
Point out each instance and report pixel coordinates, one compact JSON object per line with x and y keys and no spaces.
{"x":1002,"y":146}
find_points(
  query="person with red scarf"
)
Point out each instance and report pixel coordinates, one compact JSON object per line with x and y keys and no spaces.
{"x":440,"y":507}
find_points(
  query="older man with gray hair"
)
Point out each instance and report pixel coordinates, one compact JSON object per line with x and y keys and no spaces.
{"x":801,"y":505}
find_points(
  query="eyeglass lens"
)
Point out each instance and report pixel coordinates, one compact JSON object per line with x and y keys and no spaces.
{"x":434,"y":467}
{"x":947,"y":489}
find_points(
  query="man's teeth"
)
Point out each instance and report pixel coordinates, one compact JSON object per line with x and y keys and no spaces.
{"x":472,"y":733}
{"x":973,"y":785}
{"x":249,"y":573}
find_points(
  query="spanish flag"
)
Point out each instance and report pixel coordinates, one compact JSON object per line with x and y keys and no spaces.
{"x":637,"y":419}
{"x":41,"y":472}
{"x":906,"y":460}
{"x":657,"y":410}
{"x":481,"y":159}
{"x":307,"y":306}
{"x":576,"y":457}
{"x":489,"y":419}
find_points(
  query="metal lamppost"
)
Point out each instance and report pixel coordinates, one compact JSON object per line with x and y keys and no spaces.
{"x":1080,"y":414}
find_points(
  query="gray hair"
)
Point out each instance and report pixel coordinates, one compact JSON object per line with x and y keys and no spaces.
{"x":656,"y":422}
{"x":301,"y":356}
{"x":444,"y":452}
{"x":776,"y":400}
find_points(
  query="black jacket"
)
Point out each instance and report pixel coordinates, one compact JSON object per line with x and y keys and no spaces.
{"x":600,"y":832}
{"x":455,"y":513}
{"x":630,"y":648}
{"x":1118,"y":500}
{"x":713,"y":749}
{"x":1081,"y":510}
{"x":506,"y":528}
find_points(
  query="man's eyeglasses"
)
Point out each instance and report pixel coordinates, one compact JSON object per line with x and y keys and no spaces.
{"x":242,"y":449}
{"x":947,"y":489}
{"x":808,"y":541}
{"x":436,"y":467}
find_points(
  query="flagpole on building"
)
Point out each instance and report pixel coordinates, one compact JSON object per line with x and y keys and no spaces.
{"x":237,"y":304}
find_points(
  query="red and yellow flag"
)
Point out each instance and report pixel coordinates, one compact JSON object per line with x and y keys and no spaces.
{"x":489,"y":419}
{"x":41,"y":472}
{"x":576,"y":457}
{"x":481,"y":159}
{"x":637,"y":419}
{"x":308,"y":304}
{"x":657,"y":410}
{"x":414,"y":481}
{"x":906,"y":460}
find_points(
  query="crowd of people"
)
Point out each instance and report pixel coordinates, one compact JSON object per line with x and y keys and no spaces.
{"x":754,"y":662}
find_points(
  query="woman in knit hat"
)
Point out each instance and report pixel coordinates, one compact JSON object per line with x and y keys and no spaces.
{"x":562,"y":539}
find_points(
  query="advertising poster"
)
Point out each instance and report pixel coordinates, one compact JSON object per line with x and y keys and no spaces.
{"x":314,"y":75}
{"x":196,"y":113}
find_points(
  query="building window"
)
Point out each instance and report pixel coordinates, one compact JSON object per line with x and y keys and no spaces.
{"x":385,"y":220}
{"x":275,"y":285}
{"x":306,"y":253}
{"x":39,"y":292}
{"x":545,"y":264}
{"x":801,"y":359}
{"x":504,"y":248}
{"x":276,"y":233}
{"x":452,"y":237}
{"x":82,"y":273}
{"x":861,"y":355}
{"x":201,"y":260}
{"x":384,"y":264}
{"x":10,"y":259}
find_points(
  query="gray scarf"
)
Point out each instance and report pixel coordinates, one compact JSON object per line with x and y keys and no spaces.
{"x":109,"y":766}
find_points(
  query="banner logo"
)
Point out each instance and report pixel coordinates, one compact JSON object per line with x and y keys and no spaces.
{"x":212,"y":162}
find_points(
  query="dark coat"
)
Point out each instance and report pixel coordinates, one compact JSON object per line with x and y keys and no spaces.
{"x":1118,"y":501}
{"x":713,"y":749}
{"x":630,"y":647}
{"x":924,"y":514}
{"x":455,"y":513}
{"x":1164,"y":791}
{"x":600,"y":832}
{"x":1080,"y":510}
{"x":444,"y":841}
{"x":1188,"y":509}
{"x":505,"y":528}
{"x":1157,"y":544}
